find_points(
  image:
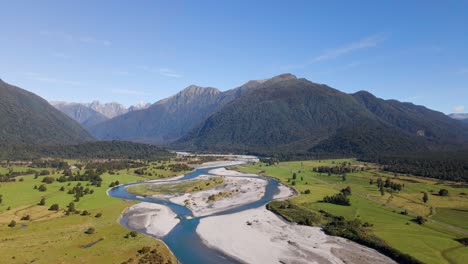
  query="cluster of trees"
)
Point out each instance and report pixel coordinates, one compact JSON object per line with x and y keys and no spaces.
{"x":91,"y":175}
{"x":10,"y":175}
{"x":113,"y":184}
{"x":340,"y":198}
{"x":179,"y":167}
{"x":79,"y":191}
{"x":49,"y":163}
{"x":388,"y":184}
{"x":270,"y":161}
{"x":341,"y":169}
{"x":444,"y":166}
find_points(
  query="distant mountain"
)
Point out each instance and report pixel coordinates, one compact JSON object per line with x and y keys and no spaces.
{"x":460,"y":116}
{"x":296,"y":115}
{"x":169,"y":119}
{"x":26,"y":118}
{"x":83,"y":114}
{"x":91,"y":114}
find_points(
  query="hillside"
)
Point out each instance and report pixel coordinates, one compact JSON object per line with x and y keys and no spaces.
{"x":169,"y":119}
{"x":298,"y":116}
{"x":28,"y":119}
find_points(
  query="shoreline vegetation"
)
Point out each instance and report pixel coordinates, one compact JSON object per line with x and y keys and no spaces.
{"x":356,"y":222}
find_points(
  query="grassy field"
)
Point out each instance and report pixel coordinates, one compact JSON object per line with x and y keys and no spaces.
{"x":433,"y":242}
{"x":52,"y":237}
{"x":175,"y":188}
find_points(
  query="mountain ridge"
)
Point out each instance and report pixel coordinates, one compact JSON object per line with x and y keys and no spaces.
{"x":26,"y":118}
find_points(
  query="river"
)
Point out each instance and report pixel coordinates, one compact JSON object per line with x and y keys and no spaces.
{"x":183,"y":240}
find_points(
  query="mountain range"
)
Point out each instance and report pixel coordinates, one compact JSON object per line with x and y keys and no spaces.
{"x":91,"y":114}
{"x":296,"y":115}
{"x":26,"y":118}
{"x":280,"y":115}
{"x":172,"y":118}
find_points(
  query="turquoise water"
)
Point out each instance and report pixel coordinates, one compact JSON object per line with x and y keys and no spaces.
{"x":183,"y":239}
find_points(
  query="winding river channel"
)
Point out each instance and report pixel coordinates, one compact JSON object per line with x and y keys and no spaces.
{"x":183,"y":240}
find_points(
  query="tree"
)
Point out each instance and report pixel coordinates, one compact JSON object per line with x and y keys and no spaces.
{"x":443,"y":192}
{"x":382,"y":191}
{"x":371,"y":182}
{"x":54,"y":207}
{"x":425,"y":198}
{"x":62,"y":189}
{"x":71,"y":207}
{"x":307,"y":191}
{"x":42,"y":188}
{"x":343,"y":177}
{"x":12,"y":223}
{"x":1,"y":198}
{"x":42,"y":202}
{"x":294,"y":176}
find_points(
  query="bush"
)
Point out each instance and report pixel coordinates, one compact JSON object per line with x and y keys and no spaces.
{"x":420,"y":220}
{"x":307,"y":191}
{"x":42,"y":201}
{"x":443,"y":192}
{"x":26,"y":218}
{"x":12,"y":223}
{"x":42,"y":188}
{"x":48,"y":180}
{"x":54,"y":207}
{"x":98,"y":215}
{"x":90,"y":231}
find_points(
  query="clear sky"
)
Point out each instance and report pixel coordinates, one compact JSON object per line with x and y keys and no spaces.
{"x":131,"y":51}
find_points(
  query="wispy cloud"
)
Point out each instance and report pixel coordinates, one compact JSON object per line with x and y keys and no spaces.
{"x":367,"y":42}
{"x":127,"y":91}
{"x":51,"y":80}
{"x":458,"y":109}
{"x":364,"y":43}
{"x":76,"y":38}
{"x":161,"y":71}
{"x":169,"y":73}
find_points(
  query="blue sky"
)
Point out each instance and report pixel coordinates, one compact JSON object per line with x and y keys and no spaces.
{"x":131,"y":51}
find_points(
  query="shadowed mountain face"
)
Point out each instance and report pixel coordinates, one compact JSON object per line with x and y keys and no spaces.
{"x":296,"y":115}
{"x":26,"y":118}
{"x":169,"y":119}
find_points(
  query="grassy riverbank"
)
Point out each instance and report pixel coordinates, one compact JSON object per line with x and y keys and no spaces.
{"x":46,"y":236}
{"x":432,"y":242}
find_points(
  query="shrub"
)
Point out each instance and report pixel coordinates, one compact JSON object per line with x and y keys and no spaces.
{"x":42,"y":201}
{"x":26,"y":218}
{"x":307,"y":191}
{"x":420,"y":220}
{"x":54,"y":207}
{"x":12,"y":223}
{"x":42,"y":188}
{"x":90,"y":231}
{"x":443,"y":192}
{"x":98,"y":215}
